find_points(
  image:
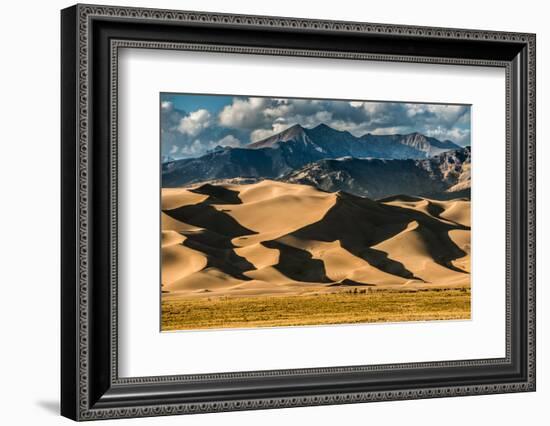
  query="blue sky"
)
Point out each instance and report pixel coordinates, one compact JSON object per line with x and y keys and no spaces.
{"x":191,"y":103}
{"x":191,"y":125}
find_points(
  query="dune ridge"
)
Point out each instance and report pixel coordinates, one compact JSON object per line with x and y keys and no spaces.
{"x":272,"y":237}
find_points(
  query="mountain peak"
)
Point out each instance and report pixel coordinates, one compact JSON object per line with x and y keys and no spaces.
{"x":326,"y":128}
{"x":295,"y":131}
{"x":322,"y":126}
{"x":338,"y":143}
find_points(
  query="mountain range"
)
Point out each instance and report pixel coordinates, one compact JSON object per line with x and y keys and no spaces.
{"x":444,"y":176}
{"x":332,"y":143}
{"x":370,"y":165}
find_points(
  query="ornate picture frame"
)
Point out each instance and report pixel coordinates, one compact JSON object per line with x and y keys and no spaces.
{"x":91,"y":38}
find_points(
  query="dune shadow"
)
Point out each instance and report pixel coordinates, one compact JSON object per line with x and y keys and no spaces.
{"x":435,"y":210}
{"x":435,"y":234}
{"x":465,"y":194}
{"x":214,"y":240}
{"x":400,"y":197}
{"x":360,"y":223}
{"x":298,"y":264}
{"x":217,"y":194}
{"x":205,"y":216}
{"x":219,"y":252}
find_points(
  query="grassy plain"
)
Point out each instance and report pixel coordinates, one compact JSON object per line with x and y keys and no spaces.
{"x":352,"y":306}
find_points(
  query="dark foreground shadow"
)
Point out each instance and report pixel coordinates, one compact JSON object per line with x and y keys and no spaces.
{"x":51,"y":406}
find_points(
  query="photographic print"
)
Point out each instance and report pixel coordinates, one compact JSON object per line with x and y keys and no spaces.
{"x":283,"y":212}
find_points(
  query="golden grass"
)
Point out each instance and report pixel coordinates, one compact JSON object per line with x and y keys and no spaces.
{"x":330,"y":308}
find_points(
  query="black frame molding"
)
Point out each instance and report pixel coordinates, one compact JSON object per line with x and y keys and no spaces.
{"x":91,"y":38}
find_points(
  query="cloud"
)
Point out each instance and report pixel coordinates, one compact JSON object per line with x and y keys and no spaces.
{"x":457,"y":135}
{"x":277,"y":127}
{"x":195,"y":122}
{"x":264,"y":117}
{"x":244,"y":113}
{"x":199,"y":146}
{"x":443,"y":115}
{"x":260,"y":134}
{"x":229,"y":140}
{"x":250,"y":119}
{"x":194,"y":134}
{"x":170,"y":117}
{"x":192,"y":149}
{"x":166,"y":105}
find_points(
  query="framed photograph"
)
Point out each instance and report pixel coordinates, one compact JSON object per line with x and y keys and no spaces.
{"x":263,"y":212}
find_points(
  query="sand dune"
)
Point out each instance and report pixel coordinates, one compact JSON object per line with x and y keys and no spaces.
{"x":259,"y":255}
{"x":178,"y":261}
{"x":278,"y":238}
{"x":458,"y":212}
{"x":176,"y":197}
{"x":462,"y":239}
{"x":421,"y":252}
{"x":450,"y":211}
{"x":264,"y":209}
